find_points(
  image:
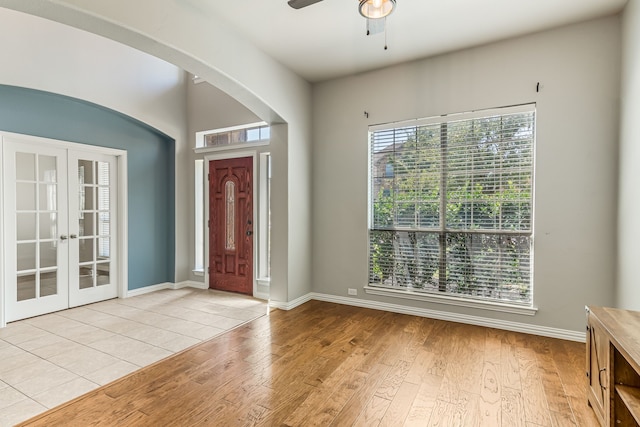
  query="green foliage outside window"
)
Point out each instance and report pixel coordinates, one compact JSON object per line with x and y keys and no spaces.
{"x":474,"y":241}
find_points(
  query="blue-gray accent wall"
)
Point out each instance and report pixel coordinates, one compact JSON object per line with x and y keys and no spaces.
{"x":151,"y":168}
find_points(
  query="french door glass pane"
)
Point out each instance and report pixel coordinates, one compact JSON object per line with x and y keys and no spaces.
{"x":103,"y":173}
{"x":26,"y":196}
{"x":85,"y":171}
{"x":26,"y":226}
{"x":103,"y":198}
{"x":86,"y":249}
{"x":86,"y":222}
{"x":47,"y":169}
{"x":86,"y":198}
{"x":26,"y":286}
{"x":86,"y":276}
{"x":48,"y":226}
{"x":48,"y":197}
{"x":49,"y":254}
{"x":103,"y":248}
{"x":25,"y":167}
{"x":103,"y":273}
{"x":26,"y":253}
{"x":103,"y":224}
{"x":48,"y":283}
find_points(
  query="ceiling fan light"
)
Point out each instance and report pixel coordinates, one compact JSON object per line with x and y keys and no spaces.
{"x":375,"y":9}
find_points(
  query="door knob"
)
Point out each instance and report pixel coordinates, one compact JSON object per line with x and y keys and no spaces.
{"x":63,"y":237}
{"x":74,"y":236}
{"x":249,"y":232}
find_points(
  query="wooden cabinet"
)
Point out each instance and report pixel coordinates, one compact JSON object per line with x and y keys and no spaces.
{"x":613,"y":365}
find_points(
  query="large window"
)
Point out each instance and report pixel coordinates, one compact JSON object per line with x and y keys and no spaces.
{"x":451,"y":204}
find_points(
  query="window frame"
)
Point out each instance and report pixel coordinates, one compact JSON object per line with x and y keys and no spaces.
{"x":201,"y":147}
{"x":442,"y":229}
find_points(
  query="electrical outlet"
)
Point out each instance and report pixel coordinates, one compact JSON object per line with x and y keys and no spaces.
{"x":352,"y":291}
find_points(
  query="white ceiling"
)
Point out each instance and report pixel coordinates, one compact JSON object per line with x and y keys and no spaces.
{"x":327,"y":39}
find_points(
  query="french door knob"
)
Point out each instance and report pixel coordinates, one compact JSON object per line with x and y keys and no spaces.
{"x":74,"y":236}
{"x":63,"y":237}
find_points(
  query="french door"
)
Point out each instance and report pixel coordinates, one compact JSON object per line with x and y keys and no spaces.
{"x":59,"y":228}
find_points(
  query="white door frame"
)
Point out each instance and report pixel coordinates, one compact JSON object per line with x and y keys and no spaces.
{"x":122,"y":214}
{"x":222,"y":156}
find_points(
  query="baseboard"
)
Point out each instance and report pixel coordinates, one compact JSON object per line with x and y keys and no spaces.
{"x":188,"y":284}
{"x":148,"y":289}
{"x":526,"y":328}
{"x":291,"y":304}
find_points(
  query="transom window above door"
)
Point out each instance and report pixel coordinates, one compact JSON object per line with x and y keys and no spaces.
{"x":231,"y":137}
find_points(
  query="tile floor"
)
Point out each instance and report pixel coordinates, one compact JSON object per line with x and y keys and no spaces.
{"x":50,"y":359}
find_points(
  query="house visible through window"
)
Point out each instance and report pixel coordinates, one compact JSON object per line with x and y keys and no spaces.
{"x":451,"y":204}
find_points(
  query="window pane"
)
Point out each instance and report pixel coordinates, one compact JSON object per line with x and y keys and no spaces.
{"x":49,"y":254}
{"x":48,"y":283}
{"x":26,"y":285}
{"x":47,"y":166}
{"x":26,"y":256}
{"x":25,"y":196}
{"x":26,"y":226}
{"x":25,"y":166}
{"x":404,"y":259}
{"x":102,"y":269}
{"x":48,"y":226}
{"x":86,"y":247}
{"x":85,"y":172}
{"x":48,"y":197}
{"x":489,"y":266}
{"x":199,"y":215}
{"x":85,"y":275}
{"x":86,"y":224}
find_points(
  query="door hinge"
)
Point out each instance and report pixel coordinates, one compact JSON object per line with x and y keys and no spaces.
{"x":208,"y":270}
{"x":209,"y":223}
{"x":208,"y":177}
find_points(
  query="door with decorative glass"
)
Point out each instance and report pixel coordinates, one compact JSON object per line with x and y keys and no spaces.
{"x":231,"y":225}
{"x":59,"y":227}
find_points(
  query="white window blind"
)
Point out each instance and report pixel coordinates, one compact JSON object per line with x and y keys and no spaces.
{"x":451,"y":204}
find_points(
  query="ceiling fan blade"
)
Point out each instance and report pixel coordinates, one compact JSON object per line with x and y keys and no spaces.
{"x":299,"y":4}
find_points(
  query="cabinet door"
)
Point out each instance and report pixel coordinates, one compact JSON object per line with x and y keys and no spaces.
{"x":597,"y":367}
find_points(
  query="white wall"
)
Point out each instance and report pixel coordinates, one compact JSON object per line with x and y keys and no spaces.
{"x":44,"y":55}
{"x":576,"y":176}
{"x":628,"y":292}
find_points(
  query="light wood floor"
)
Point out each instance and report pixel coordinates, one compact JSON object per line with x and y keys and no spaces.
{"x":328,"y":364}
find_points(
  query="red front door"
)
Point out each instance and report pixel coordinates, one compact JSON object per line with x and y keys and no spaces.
{"x":231,"y":225}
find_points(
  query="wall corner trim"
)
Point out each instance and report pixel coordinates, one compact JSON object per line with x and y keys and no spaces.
{"x":291,"y":304}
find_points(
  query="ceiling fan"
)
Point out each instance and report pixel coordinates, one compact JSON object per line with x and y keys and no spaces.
{"x":371,"y":9}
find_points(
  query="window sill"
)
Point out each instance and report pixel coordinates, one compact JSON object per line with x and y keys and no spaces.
{"x":450,"y":300}
{"x":198,"y":272}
